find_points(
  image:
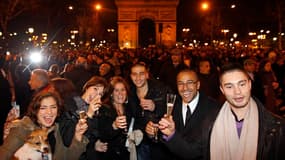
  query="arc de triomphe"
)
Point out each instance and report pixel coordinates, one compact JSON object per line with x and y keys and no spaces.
{"x":161,"y":12}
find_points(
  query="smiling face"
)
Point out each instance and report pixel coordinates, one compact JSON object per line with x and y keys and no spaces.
{"x":139,"y":76}
{"x":236,"y":87}
{"x":187,"y":85}
{"x":93,"y":91}
{"x":119,"y":93}
{"x":47,"y":112}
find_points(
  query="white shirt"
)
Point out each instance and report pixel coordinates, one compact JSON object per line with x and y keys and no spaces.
{"x":192,"y":104}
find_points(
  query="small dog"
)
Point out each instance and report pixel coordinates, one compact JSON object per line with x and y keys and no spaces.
{"x":36,"y":146}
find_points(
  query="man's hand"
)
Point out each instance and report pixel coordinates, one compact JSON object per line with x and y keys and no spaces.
{"x":147,"y":104}
{"x":167,"y":125}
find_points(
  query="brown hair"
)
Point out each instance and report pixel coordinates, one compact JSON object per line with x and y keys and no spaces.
{"x":118,"y":79}
{"x":96,"y":80}
{"x":63,"y":86}
{"x":35,"y":104}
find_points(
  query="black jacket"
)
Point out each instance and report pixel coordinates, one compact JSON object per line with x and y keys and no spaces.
{"x":191,"y":141}
{"x":271,"y":139}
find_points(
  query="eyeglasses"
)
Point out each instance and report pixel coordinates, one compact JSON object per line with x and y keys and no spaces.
{"x":187,"y":83}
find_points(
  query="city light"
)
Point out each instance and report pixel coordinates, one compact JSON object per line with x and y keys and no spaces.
{"x":36,"y":57}
{"x":31,"y":30}
{"x":205,"y":6}
{"x":70,"y":7}
{"x":252,"y":33}
{"x":185,"y":29}
{"x":98,"y":7}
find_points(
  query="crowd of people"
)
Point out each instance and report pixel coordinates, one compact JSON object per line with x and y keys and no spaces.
{"x":229,"y":104}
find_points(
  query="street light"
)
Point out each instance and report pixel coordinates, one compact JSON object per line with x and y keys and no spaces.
{"x":30,"y":30}
{"x":205,"y":6}
{"x":70,"y":7}
{"x":98,"y":7}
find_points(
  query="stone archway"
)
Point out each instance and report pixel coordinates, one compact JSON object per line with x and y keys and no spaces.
{"x":131,"y":12}
{"x":146,"y":32}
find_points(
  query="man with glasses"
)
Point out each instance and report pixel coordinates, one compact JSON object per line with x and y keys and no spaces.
{"x":186,"y":132}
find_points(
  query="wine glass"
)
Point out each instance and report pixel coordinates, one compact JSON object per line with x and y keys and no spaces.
{"x":170,"y":100}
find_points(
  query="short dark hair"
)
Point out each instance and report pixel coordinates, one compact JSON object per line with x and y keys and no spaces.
{"x":140,"y":63}
{"x":189,"y":71}
{"x":229,"y":67}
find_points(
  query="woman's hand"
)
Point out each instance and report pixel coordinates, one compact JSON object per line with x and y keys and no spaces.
{"x":120,"y":122}
{"x":94,"y":106}
{"x":100,"y":146}
{"x":80,"y":129}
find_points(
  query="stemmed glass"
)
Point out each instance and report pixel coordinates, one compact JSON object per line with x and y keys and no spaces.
{"x":170,"y":100}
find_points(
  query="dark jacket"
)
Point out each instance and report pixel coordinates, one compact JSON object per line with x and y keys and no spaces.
{"x":157,"y":92}
{"x":116,"y":139}
{"x":191,"y":141}
{"x":271,"y":139}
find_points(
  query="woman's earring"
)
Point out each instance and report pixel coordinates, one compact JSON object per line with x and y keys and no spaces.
{"x":127,"y":100}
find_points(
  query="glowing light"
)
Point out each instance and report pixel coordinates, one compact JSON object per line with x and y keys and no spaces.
{"x":36,"y":57}
{"x":31,"y":30}
{"x":205,"y":6}
{"x":251,"y":33}
{"x":70,"y":7}
{"x":98,"y":7}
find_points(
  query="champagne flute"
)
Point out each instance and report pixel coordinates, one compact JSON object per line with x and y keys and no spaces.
{"x":170,"y":100}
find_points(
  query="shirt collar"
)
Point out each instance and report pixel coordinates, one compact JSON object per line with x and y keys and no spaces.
{"x":192,"y":104}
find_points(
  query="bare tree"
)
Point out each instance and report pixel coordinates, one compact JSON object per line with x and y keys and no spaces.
{"x":9,"y":9}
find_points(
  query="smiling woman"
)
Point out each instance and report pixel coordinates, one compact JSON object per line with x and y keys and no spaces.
{"x":42,"y":113}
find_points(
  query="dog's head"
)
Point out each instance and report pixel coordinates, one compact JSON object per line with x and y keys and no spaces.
{"x":38,"y":140}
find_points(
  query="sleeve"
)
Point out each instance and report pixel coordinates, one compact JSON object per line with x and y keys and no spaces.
{"x":67,"y":125}
{"x":13,"y":142}
{"x":76,"y":149}
{"x":179,"y":146}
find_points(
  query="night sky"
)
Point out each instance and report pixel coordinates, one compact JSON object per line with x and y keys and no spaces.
{"x":249,"y":15}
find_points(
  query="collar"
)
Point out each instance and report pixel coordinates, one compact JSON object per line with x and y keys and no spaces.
{"x":192,"y":104}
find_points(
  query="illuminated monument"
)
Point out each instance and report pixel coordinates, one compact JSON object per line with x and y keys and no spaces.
{"x":161,"y":14}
